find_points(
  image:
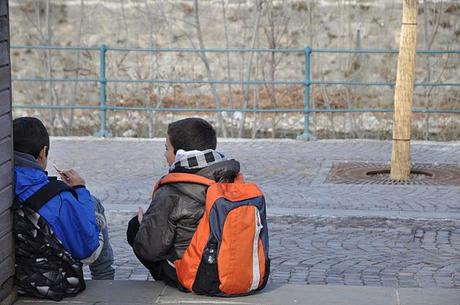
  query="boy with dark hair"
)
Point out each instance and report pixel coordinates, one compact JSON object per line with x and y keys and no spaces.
{"x":163,"y":233}
{"x":192,"y":134}
{"x":74,"y":216}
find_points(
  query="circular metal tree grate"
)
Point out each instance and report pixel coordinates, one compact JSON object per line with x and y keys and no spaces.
{"x":379,"y":173}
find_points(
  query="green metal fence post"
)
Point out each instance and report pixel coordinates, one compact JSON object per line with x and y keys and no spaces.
{"x":102,"y":93}
{"x":306,"y":136}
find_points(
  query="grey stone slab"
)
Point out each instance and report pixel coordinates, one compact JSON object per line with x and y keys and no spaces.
{"x":6,"y":268}
{"x":111,"y":292}
{"x":6,"y":222}
{"x":5,"y":78}
{"x":6,"y":149}
{"x":4,"y":52}
{"x":6,"y":249}
{"x":7,"y":246}
{"x":3,"y":8}
{"x":429,"y":215}
{"x":5,"y":102}
{"x":122,"y":291}
{"x":293,"y":294}
{"x":6,"y":297}
{"x":6,"y":131}
{"x":23,"y":301}
{"x":276,"y":211}
{"x":7,"y":292}
{"x":429,"y":296}
{"x":6,"y":173}
{"x":6,"y":197}
{"x":4,"y":28}
{"x":5,"y":121}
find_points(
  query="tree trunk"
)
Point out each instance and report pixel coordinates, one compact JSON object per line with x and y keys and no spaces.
{"x":52,"y":115}
{"x":204,"y":58}
{"x":229,"y":77}
{"x":249,"y":68}
{"x":400,"y":157}
{"x":75,"y":100}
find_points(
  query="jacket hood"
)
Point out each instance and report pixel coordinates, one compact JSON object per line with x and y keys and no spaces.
{"x":25,"y":160}
{"x":27,"y":173}
{"x":213,"y":172}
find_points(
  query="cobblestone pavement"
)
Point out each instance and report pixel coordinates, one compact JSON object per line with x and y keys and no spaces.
{"x":338,"y":251}
{"x":377,"y":235}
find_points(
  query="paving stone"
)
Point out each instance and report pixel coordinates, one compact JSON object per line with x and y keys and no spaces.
{"x":307,"y":245}
{"x":332,"y":280}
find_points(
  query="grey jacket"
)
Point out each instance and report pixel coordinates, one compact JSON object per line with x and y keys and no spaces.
{"x":173,"y":216}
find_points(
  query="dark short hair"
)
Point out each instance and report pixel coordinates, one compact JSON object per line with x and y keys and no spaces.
{"x":192,"y":134}
{"x":30,"y":136}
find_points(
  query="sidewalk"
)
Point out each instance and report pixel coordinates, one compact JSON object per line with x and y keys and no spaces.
{"x":144,"y":292}
{"x":321,"y":232}
{"x":292,"y":174}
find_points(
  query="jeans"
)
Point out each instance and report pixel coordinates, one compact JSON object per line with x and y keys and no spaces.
{"x":102,"y":268}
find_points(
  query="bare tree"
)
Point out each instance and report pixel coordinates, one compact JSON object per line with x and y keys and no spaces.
{"x":428,"y":39}
{"x":167,"y":23}
{"x":276,"y":31}
{"x":124,"y":18}
{"x":49,"y":40}
{"x":74,"y":98}
{"x":400,"y":157}
{"x":229,"y":77}
{"x":205,"y":61}
{"x":259,"y":6}
{"x":154,"y":64}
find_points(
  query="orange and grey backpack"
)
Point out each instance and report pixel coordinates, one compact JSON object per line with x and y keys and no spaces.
{"x":228,"y":254}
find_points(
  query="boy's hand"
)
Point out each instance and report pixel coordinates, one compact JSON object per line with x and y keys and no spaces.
{"x":140,"y":215}
{"x":71,"y":177}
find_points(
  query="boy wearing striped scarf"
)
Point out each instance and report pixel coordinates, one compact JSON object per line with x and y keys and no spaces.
{"x":163,"y":233}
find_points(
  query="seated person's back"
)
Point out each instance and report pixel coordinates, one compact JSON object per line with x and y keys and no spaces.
{"x":67,"y":208}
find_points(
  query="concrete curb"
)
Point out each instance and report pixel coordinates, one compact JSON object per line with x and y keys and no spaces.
{"x":233,"y":140}
{"x":143,"y":293}
{"x":324,"y":213}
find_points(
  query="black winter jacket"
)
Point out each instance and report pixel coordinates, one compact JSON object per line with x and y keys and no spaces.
{"x":173,"y":215}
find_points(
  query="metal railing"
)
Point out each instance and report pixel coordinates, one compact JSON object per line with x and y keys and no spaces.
{"x":307,"y":83}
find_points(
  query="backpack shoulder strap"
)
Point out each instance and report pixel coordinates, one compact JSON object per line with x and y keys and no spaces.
{"x":184,"y":177}
{"x":48,"y":191}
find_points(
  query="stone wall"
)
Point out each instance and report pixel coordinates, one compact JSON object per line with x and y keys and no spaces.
{"x":6,"y":163}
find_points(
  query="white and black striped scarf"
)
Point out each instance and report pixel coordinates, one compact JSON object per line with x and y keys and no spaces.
{"x":195,"y":160}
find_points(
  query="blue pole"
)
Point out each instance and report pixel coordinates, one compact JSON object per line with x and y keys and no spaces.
{"x":306,"y":136}
{"x":102,"y":92}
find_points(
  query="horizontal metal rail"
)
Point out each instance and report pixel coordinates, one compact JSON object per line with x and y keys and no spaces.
{"x":152,"y":109}
{"x":226,"y":82}
{"x":307,"y":83}
{"x":230,"y":50}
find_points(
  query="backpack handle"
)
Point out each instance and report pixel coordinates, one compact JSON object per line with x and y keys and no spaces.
{"x":182,"y":177}
{"x":191,"y":178}
{"x":239,"y":178}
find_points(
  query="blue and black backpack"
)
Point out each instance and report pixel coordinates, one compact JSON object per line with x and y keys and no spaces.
{"x":44,"y":269}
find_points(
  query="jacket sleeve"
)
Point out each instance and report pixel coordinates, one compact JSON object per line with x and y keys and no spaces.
{"x":79,"y":231}
{"x":156,"y":232}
